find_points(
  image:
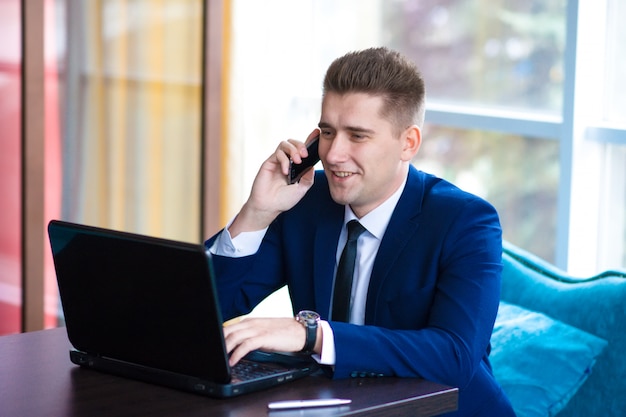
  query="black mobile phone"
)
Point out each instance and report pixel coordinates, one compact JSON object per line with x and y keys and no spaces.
{"x":296,"y":171}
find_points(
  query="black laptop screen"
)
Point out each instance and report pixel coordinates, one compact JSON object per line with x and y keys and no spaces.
{"x":139,"y":299}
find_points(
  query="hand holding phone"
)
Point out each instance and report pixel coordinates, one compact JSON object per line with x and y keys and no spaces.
{"x":296,"y":171}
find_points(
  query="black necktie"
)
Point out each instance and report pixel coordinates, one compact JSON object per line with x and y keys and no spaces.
{"x":345,"y":272}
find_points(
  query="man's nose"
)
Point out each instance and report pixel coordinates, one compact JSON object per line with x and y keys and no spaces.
{"x":337,"y":149}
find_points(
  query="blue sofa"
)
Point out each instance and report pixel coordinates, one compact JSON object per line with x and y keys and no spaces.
{"x":559,"y":345}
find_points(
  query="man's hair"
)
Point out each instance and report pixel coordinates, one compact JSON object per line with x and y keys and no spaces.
{"x":382,"y":72}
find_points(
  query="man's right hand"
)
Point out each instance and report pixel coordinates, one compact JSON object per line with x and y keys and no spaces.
{"x":271,"y":193}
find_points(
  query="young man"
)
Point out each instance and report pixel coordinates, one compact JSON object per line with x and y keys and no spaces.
{"x":424,"y":294}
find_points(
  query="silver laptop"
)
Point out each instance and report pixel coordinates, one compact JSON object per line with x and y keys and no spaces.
{"x":146,"y":308}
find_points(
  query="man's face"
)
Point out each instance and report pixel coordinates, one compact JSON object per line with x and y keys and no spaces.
{"x":364,"y":160}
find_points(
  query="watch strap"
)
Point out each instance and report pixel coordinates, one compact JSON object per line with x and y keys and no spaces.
{"x":311,"y":337}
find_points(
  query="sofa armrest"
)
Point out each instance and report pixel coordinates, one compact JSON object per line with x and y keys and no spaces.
{"x":596,"y":305}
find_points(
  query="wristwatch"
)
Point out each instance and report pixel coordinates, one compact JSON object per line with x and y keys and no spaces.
{"x":309,"y":320}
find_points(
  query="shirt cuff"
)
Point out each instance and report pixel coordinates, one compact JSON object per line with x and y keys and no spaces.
{"x":244,"y":244}
{"x":327,"y":356}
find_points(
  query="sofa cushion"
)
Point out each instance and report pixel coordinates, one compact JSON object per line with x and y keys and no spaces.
{"x":596,"y":305}
{"x":540,"y":362}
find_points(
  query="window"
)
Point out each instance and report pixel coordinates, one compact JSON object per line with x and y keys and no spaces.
{"x":595,"y":118}
{"x":615,"y":66}
{"x":506,"y":54}
{"x":131,"y":116}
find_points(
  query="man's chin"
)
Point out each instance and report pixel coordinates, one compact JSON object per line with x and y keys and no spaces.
{"x":339,"y":197}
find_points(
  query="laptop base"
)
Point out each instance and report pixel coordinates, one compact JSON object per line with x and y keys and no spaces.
{"x":197,"y":385}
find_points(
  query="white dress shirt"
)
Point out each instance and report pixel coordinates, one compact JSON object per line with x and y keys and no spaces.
{"x":376,"y":221}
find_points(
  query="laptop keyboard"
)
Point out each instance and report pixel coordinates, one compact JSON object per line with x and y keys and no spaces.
{"x":246,"y":370}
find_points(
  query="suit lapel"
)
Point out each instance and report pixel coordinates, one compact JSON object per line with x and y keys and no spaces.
{"x":402,"y":226}
{"x":326,"y":238}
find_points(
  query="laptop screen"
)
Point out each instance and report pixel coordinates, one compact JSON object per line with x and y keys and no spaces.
{"x":139,"y":299}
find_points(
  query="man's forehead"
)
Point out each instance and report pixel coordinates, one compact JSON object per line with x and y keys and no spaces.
{"x":351,"y":111}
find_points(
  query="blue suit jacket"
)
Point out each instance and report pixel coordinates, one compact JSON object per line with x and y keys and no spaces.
{"x":433,"y":294}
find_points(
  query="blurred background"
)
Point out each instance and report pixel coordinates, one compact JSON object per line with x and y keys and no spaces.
{"x":154,"y":116}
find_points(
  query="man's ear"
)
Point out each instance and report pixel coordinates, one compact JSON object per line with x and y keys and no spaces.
{"x":412,"y":138}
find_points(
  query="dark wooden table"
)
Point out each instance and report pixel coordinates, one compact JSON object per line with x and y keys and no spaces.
{"x":37,"y":379}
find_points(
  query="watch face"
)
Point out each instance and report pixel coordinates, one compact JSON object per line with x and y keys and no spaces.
{"x":308,"y":316}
